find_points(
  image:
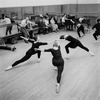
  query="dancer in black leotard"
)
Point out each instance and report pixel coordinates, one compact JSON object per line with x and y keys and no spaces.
{"x":80,"y":28}
{"x":73,"y":43}
{"x":97,"y":29}
{"x":33,"y":50}
{"x":57,"y":61}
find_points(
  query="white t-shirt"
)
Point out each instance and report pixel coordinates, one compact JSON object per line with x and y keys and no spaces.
{"x":63,"y":19}
{"x":6,"y":20}
{"x":80,"y":19}
{"x":46,"y":22}
{"x":23,"y":23}
{"x":52,"y":21}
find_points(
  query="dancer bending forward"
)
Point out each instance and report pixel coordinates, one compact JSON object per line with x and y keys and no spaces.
{"x":73,"y":43}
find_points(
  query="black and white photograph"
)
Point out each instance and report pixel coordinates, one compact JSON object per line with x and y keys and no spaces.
{"x":49,"y":49}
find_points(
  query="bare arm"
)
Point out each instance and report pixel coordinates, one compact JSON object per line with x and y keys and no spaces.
{"x":30,"y":40}
{"x":54,"y":41}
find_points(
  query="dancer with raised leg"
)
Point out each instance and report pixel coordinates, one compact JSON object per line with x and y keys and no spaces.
{"x":57,"y":61}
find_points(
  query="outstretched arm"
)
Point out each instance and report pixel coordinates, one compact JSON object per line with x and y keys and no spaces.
{"x":44,"y":50}
{"x":24,"y":38}
{"x":30,"y":40}
{"x":54,"y":41}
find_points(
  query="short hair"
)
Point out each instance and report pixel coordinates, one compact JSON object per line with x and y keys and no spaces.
{"x":98,"y":20}
{"x":62,"y":36}
{"x":35,"y":37}
{"x":55,"y":44}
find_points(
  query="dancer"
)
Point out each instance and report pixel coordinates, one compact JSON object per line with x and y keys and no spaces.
{"x":33,"y":50}
{"x":73,"y":43}
{"x":57,"y":61}
{"x":80,"y":27}
{"x":97,"y":29}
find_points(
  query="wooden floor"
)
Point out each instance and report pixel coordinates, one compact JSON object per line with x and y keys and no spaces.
{"x":36,"y":81}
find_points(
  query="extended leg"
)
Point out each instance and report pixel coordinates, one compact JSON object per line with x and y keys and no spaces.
{"x":39,"y":55}
{"x":26,"y":57}
{"x":78,"y":32}
{"x":95,"y":36}
{"x":85,"y":48}
{"x":60,"y":70}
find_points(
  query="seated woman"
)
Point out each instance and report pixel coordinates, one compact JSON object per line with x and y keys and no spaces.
{"x":53,"y":24}
{"x":47,"y":24}
{"x":63,"y":18}
{"x":42,"y":26}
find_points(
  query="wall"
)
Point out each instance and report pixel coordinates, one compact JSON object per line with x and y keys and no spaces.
{"x":23,"y":11}
{"x":92,"y":10}
{"x":26,"y":3}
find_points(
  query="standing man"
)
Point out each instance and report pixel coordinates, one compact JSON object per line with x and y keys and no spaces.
{"x":23,"y":25}
{"x":7,"y":21}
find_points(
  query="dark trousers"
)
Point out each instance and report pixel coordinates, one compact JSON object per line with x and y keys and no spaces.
{"x":5,"y":48}
{"x":26,"y":57}
{"x":74,"y":45}
{"x":8,"y":29}
{"x":80,"y":29}
{"x":25,"y":32}
{"x":42,"y":30}
{"x":59,"y":63}
{"x":96,"y":34}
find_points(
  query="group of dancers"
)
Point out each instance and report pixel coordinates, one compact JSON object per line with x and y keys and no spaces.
{"x":96,"y":27}
{"x":57,"y":59}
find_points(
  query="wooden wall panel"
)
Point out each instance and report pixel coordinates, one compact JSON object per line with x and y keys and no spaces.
{"x":52,"y":9}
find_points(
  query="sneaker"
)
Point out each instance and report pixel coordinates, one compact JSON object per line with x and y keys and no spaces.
{"x":14,"y":48}
{"x":55,"y":68}
{"x":57,"y":88}
{"x":96,"y":41}
{"x":38,"y":60}
{"x":8,"y":68}
{"x":92,"y":54}
{"x":67,"y":56}
{"x":26,"y":41}
{"x":98,"y":37}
